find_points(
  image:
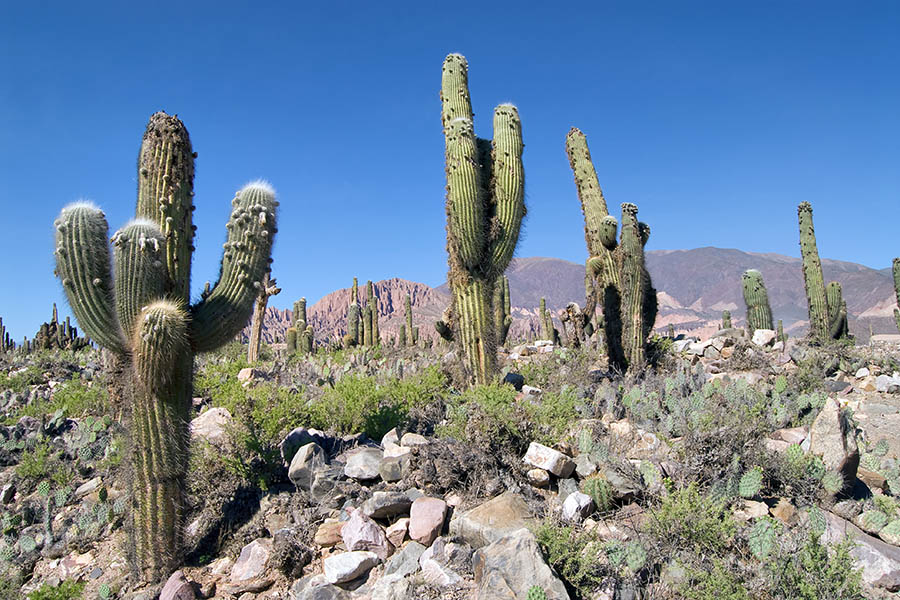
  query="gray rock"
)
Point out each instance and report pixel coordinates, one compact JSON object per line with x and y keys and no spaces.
{"x":87,"y":487}
{"x":7,"y":493}
{"x":435,"y":569}
{"x":347,"y":566}
{"x":253,"y":560}
{"x":177,"y":588}
{"x":316,"y":587}
{"x":507,"y":568}
{"x":492,"y":520}
{"x":391,"y":468}
{"x":308,"y":459}
{"x":833,"y":438}
{"x":566,"y":487}
{"x":406,"y":561}
{"x":212,"y":425}
{"x":585,"y":466}
{"x":880,"y":562}
{"x":386,"y":504}
{"x":362,"y":533}
{"x":363,"y":464}
{"x":764,"y":337}
{"x":299,"y":437}
{"x":577,"y":506}
{"x":544,"y":457}
{"x":391,"y":587}
{"x":325,"y":481}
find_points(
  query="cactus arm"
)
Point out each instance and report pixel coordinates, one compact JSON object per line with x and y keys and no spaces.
{"x":160,"y":434}
{"x":508,"y":186}
{"x":465,"y":195}
{"x":140,"y":275}
{"x":455,"y":100}
{"x":83,"y":265}
{"x":251,"y":229}
{"x":165,"y":194}
{"x":593,"y":205}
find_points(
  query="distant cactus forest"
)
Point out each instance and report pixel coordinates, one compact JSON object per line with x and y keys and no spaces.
{"x":162,"y":448}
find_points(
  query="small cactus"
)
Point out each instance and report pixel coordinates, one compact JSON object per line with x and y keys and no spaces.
{"x":838,"y":327}
{"x":600,"y":492}
{"x":726,"y":319}
{"x":872,"y":521}
{"x":762,"y":537}
{"x":536,"y":592}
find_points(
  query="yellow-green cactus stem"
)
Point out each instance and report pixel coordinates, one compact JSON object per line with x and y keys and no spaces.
{"x":759,"y":312}
{"x":812,"y":274}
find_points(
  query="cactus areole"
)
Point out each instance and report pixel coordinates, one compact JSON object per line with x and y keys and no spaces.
{"x":139,"y":309}
{"x":485,"y":206}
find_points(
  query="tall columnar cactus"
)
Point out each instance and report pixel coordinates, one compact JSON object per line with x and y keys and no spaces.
{"x":812,"y":275}
{"x":759,"y":313}
{"x":352,"y":337}
{"x":616,"y":271}
{"x":407,"y":305}
{"x":485,"y":206}
{"x":838,"y":325}
{"x":548,"y":331}
{"x":290,"y":340}
{"x":267,"y":288}
{"x":139,"y":311}
{"x":897,"y":290}
{"x":726,"y":319}
{"x":303,"y":336}
{"x":780,"y":331}
{"x":502,"y":317}
{"x":372,"y":315}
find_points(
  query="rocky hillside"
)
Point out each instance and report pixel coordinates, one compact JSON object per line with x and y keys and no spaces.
{"x":694,"y":287}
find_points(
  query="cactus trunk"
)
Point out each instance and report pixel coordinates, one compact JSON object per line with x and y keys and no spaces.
{"x":812,"y":275}
{"x":838,"y":325}
{"x":896,"y":269}
{"x":145,"y":322}
{"x":485,"y":206}
{"x":759,"y":313}
{"x":726,"y":319}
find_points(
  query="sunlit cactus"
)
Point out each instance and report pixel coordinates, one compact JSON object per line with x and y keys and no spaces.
{"x":896,"y":270}
{"x":617,"y":274}
{"x":143,"y":315}
{"x":502,"y":318}
{"x":485,"y":206}
{"x":838,"y":325}
{"x":812,"y":274}
{"x":759,"y":313}
{"x":726,"y":319}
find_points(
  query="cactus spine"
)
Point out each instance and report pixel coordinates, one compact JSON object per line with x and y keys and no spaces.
{"x":144,"y":316}
{"x":812,"y":274}
{"x":759,"y":313}
{"x":617,"y":271}
{"x":726,"y":319}
{"x":896,"y":269}
{"x":485,"y":206}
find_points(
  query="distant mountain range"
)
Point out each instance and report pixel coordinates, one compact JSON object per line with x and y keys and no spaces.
{"x":693,"y":286}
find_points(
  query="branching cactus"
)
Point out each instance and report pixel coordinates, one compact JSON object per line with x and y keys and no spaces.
{"x":812,"y":275}
{"x":268,"y":288}
{"x":485,"y":207}
{"x":616,"y":271}
{"x":139,"y":310}
{"x":759,"y":312}
{"x":897,"y":290}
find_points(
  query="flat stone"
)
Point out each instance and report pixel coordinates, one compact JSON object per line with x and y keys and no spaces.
{"x":87,"y":487}
{"x":544,"y":457}
{"x":386,"y":504}
{"x":396,"y":451}
{"x":318,"y":592}
{"x":426,"y":519}
{"x":784,"y":511}
{"x":861,"y":373}
{"x":507,"y":568}
{"x":879,"y":561}
{"x":391,"y":437}
{"x":750,"y":510}
{"x":791,"y":435}
{"x":362,"y":533}
{"x":347,"y":566}
{"x":577,"y":506}
{"x":875,"y":481}
{"x":585,"y":466}
{"x":391,"y":587}
{"x":363,"y":464}
{"x":328,"y":534}
{"x":253,"y":560}
{"x":413,"y":439}
{"x":177,"y":588}
{"x":492,"y":520}
{"x":212,"y":426}
{"x":306,"y":461}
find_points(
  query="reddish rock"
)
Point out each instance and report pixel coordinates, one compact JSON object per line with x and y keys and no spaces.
{"x":426,"y":519}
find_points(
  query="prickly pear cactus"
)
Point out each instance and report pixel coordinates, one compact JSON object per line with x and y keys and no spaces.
{"x":751,"y":483}
{"x":536,"y":592}
{"x":485,"y":206}
{"x":759,"y":313}
{"x":140,"y":311}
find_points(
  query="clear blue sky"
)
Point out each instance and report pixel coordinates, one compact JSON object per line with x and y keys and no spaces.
{"x":716,"y":118}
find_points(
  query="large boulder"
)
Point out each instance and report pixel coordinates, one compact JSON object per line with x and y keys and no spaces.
{"x":304,"y":465}
{"x":507,"y":568}
{"x":253,"y":560}
{"x":212,"y":425}
{"x":833,"y":438}
{"x":492,"y":520}
{"x":880,"y":562}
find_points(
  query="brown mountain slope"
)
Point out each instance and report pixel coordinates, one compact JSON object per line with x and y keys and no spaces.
{"x":694,"y":287}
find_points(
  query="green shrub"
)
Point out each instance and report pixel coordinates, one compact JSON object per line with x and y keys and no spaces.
{"x":574,"y":555}
{"x":715,"y":584}
{"x":690,"y":521}
{"x":67,"y":590}
{"x":811,"y":572}
{"x":489,"y":413}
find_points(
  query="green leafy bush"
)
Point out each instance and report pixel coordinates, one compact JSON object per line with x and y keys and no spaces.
{"x":811,"y":572}
{"x":691,"y":521}
{"x":67,"y":590}
{"x":574,"y":555}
